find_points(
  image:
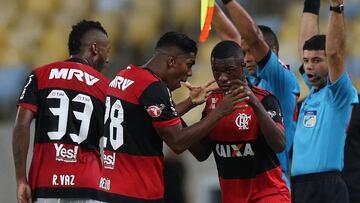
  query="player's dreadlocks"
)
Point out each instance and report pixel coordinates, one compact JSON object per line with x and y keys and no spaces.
{"x":78,"y":31}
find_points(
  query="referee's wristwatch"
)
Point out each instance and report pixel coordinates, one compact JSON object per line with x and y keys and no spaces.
{"x":337,"y":9}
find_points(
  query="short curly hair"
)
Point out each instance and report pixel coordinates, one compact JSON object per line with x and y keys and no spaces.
{"x":180,"y":40}
{"x":226,"y":49}
{"x":78,"y":31}
{"x":315,"y":43}
{"x":269,"y":36}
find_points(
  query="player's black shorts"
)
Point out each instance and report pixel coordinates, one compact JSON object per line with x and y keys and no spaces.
{"x":323,"y":187}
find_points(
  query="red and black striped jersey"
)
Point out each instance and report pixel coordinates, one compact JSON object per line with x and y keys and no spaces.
{"x":67,"y":98}
{"x":137,"y":103}
{"x":247,"y":167}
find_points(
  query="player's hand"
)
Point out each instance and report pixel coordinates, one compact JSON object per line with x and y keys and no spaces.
{"x":244,"y":92}
{"x":199,"y":94}
{"x":24,"y":193}
{"x":232,"y":100}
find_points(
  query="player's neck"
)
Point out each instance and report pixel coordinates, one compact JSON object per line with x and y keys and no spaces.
{"x":80,"y":59}
{"x":154,"y":67}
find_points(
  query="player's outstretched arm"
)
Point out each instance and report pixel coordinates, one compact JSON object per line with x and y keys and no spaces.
{"x":201,"y":150}
{"x":335,"y":42}
{"x":309,"y":25}
{"x":197,"y":96}
{"x":20,"y":143}
{"x":180,"y":139}
{"x":248,"y":29}
{"x":223,"y":26}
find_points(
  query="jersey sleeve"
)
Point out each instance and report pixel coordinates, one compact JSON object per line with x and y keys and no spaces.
{"x":210,"y":105}
{"x":342,"y":92}
{"x":156,"y":99}
{"x":29,"y":97}
{"x":272,"y":106}
{"x":204,"y":112}
{"x":282,"y":81}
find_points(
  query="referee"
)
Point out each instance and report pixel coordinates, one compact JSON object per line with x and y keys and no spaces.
{"x":318,"y":155}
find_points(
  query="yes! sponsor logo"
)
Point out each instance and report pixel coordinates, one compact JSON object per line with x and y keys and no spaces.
{"x":66,"y":154}
{"x":109,"y":160}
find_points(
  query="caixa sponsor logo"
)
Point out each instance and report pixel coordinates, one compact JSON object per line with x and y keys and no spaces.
{"x":234,"y":150}
{"x":109,"y":160}
{"x":66,"y":154}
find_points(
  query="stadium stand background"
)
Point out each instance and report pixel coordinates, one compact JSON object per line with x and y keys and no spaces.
{"x":35,"y":32}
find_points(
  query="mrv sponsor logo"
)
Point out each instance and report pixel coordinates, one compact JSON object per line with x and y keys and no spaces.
{"x":121,"y":83}
{"x":69,"y":74}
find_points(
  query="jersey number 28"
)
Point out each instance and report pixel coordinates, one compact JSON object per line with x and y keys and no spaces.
{"x":116,"y":114}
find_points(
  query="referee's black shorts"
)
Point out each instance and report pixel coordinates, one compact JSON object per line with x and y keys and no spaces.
{"x":323,"y":187}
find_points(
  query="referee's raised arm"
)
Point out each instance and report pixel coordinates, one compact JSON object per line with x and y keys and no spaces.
{"x":335,"y":43}
{"x":248,"y":30}
{"x":309,"y":25}
{"x":223,"y":26}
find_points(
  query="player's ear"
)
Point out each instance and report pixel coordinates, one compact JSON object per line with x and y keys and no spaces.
{"x":171,"y":61}
{"x":275,"y":49}
{"x":94,"y":49}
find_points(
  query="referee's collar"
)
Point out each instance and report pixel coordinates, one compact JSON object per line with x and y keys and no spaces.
{"x":249,"y":82}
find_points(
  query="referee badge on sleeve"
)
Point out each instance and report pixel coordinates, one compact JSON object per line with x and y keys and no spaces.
{"x":309,"y":119}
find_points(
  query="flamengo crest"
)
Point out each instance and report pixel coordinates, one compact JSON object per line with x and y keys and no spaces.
{"x":242,"y":121}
